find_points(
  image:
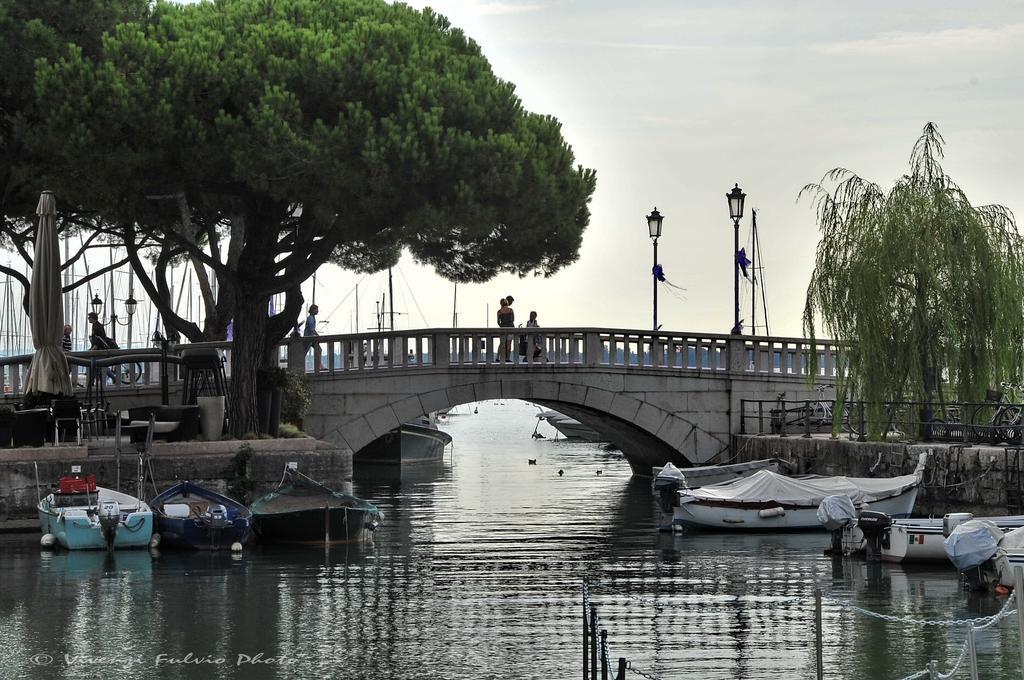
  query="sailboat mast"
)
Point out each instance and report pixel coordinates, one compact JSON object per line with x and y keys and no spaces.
{"x":455,"y":301}
{"x":760,"y":280}
{"x":753,"y":277}
{"x":391,"y":301}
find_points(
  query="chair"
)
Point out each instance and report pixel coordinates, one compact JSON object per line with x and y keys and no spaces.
{"x":69,"y":413}
{"x":94,"y":419}
{"x":30,"y":426}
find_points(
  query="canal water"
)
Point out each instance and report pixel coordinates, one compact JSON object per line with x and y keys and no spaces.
{"x":476,"y":573}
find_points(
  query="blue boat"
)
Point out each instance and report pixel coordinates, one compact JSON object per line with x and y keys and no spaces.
{"x":191,"y":516}
{"x":96,"y":518}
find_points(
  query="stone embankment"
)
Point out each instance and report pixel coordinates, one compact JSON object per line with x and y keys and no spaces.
{"x":242,"y":469}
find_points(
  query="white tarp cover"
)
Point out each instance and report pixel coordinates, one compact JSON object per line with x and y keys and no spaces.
{"x":1013,"y":540}
{"x":766,"y":486}
{"x":836,"y":512}
{"x":669,"y":476}
{"x":972,"y":543}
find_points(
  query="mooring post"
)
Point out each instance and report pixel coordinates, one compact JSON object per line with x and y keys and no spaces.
{"x":817,"y":633}
{"x":972,"y":652}
{"x":327,"y":525}
{"x":593,"y":642}
{"x":1018,"y":592}
{"x":604,"y":654}
{"x":932,"y":672}
{"x":807,"y":419}
{"x":586,"y":650}
{"x":621,"y":675}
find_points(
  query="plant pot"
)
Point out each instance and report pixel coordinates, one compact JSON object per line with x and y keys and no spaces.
{"x":211,"y":417}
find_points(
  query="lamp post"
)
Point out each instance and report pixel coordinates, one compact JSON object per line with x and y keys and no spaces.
{"x":736,"y":197}
{"x":161,"y":341}
{"x":654,"y":228}
{"x":130,"y":304}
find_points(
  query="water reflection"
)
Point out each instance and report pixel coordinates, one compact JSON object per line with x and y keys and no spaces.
{"x":476,"y":573}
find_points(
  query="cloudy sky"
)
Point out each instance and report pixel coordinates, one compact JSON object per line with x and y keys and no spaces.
{"x":674,"y":101}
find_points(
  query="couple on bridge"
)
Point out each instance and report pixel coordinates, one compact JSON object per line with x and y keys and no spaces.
{"x":507,"y":319}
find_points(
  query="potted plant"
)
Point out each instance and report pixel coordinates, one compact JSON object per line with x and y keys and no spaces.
{"x":269,"y":384}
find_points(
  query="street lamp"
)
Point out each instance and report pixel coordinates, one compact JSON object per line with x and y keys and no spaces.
{"x":736,"y":197}
{"x":130,"y":305}
{"x":654,"y":228}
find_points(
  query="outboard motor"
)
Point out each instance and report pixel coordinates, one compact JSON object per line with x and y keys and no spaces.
{"x":875,"y":527}
{"x":109,"y":516}
{"x":216,"y":517}
{"x":970,"y":547}
{"x":836,"y":513}
{"x":952,"y":520}
{"x":667,"y":484}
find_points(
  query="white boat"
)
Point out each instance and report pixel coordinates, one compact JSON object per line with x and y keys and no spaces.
{"x":569,"y":427}
{"x":96,"y":518}
{"x":704,"y":475}
{"x":917,"y":539}
{"x":768,"y":501}
{"x":417,"y":441}
{"x":668,"y":480}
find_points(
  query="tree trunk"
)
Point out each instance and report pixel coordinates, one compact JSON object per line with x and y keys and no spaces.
{"x":248,"y":355}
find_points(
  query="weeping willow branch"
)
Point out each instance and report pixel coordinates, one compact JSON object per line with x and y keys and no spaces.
{"x":924,"y":290}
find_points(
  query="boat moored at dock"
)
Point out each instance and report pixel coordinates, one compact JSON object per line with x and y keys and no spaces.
{"x":302,"y":510}
{"x":768,"y":501}
{"x":83,"y":516}
{"x":191,"y":516}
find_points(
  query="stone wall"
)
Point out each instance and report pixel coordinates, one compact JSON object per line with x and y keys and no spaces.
{"x":241,"y":469}
{"x":982,"y":480}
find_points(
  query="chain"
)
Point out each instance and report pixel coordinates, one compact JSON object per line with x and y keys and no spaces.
{"x":919,"y":674}
{"x":629,"y":667}
{"x":979,"y":623}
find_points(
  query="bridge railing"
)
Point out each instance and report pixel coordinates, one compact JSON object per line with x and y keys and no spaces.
{"x":444,"y":348}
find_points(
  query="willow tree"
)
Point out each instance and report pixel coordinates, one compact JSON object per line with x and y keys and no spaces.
{"x":263,"y":138}
{"x":924,"y":290}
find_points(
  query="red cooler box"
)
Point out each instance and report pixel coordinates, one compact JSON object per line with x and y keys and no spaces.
{"x":78,"y":484}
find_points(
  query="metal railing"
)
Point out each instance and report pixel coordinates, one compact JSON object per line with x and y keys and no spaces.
{"x":437,"y":349}
{"x":989,"y":422}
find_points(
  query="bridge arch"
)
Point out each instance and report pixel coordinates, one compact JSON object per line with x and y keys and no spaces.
{"x":649,"y":428}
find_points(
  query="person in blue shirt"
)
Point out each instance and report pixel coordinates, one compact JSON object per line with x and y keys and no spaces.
{"x":310,"y":331}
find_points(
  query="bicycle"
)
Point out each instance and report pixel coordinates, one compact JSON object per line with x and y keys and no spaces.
{"x":816,"y":414}
{"x":999,"y":417}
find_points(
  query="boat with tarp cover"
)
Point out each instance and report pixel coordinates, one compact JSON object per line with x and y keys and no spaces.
{"x":768,"y":501}
{"x":302,"y":510}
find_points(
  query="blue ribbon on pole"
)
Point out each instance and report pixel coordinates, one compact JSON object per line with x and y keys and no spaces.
{"x":743,"y":262}
{"x":659,"y":272}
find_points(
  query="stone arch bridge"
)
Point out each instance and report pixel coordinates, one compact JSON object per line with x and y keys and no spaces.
{"x":665,"y":396}
{"x":657,"y":396}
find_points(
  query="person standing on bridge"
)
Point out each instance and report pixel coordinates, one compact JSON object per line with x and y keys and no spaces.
{"x":310,"y":331}
{"x":536,"y":339}
{"x":506,"y":319}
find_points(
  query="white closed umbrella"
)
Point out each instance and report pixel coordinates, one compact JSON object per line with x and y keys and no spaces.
{"x":48,"y":372}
